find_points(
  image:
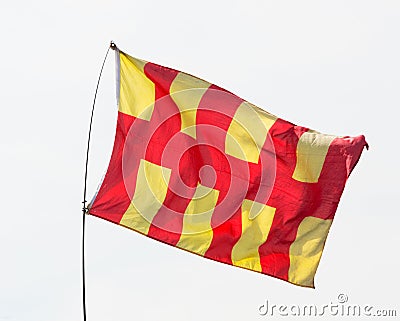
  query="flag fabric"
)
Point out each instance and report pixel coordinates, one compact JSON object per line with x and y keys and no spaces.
{"x":198,"y":168}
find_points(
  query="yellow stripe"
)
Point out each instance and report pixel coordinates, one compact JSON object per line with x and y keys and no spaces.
{"x":187,"y":91}
{"x":197,"y":233}
{"x":311,"y":152}
{"x":305,"y":252}
{"x":256,"y":223}
{"x":151,"y":189}
{"x":247,"y":132}
{"x":137,"y":92}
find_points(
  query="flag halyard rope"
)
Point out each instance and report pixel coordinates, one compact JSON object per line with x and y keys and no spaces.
{"x":84,"y":208}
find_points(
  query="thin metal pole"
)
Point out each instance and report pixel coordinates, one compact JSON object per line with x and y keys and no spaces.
{"x":84,"y":208}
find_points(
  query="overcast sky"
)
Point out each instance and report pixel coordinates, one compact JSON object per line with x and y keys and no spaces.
{"x":329,"y":65}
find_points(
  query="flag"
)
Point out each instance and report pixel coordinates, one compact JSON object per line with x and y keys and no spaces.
{"x":196,"y":167}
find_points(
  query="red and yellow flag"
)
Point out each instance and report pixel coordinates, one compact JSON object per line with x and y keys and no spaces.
{"x":199,"y":168}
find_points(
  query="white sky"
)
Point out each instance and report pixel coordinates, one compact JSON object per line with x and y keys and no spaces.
{"x":330,"y":65}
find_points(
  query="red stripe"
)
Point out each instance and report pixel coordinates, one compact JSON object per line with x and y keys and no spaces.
{"x":112,"y":199}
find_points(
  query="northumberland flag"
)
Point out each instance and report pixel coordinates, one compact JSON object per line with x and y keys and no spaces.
{"x":201,"y":169}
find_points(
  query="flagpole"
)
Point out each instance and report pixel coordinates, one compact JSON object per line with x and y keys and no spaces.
{"x":84,"y":208}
